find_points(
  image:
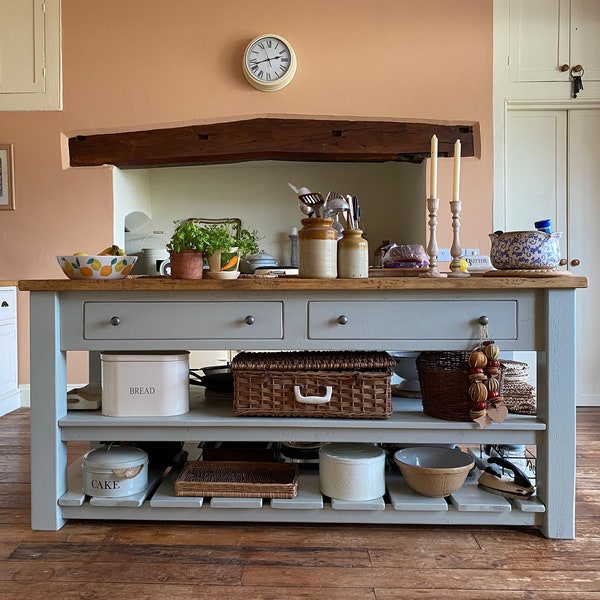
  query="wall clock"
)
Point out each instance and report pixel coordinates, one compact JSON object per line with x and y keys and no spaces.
{"x":269,"y":62}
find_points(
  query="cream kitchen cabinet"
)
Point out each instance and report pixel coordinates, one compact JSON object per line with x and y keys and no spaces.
{"x":298,"y":314}
{"x":30,"y":55}
{"x":539,"y":41}
{"x":9,"y":391}
{"x":552,"y":172}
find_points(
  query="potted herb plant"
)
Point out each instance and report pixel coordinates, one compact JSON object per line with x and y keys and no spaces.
{"x":186,"y":249}
{"x":224,"y":246}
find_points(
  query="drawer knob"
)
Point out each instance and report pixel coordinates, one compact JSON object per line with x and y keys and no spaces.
{"x":4,"y":304}
{"x":249,"y":320}
{"x":342,"y":320}
{"x":115,"y":321}
{"x":483,"y":320}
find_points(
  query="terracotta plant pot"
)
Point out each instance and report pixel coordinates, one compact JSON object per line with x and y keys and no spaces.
{"x":187,"y":264}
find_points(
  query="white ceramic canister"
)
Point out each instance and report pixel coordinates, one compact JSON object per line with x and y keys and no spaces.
{"x":353,"y":255}
{"x":152,"y":259}
{"x":317,"y":249}
{"x":145,"y":384}
{"x":115,"y":471}
{"x":352,"y":471}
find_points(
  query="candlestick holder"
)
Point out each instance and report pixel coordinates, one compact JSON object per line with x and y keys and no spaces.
{"x":455,"y":250}
{"x":432,"y":247}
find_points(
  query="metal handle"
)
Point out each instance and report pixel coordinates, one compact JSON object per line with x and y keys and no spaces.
{"x":115,"y":321}
{"x":4,"y":304}
{"x":342,"y":320}
{"x":564,"y":68}
{"x":575,"y":262}
{"x":249,"y":320}
{"x":563,"y":262}
{"x":483,"y":320}
{"x":313,"y":399}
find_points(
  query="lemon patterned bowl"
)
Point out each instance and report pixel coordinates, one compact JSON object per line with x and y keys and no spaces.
{"x":96,"y":267}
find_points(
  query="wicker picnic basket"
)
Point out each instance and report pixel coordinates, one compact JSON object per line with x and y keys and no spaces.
{"x":344,"y":384}
{"x":444,"y":382}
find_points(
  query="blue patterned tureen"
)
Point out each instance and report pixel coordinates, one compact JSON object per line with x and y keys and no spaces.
{"x":525,"y":250}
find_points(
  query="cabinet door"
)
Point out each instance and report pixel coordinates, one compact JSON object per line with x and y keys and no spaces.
{"x":538,"y":40}
{"x":584,"y":246}
{"x":585,"y":37}
{"x":535,"y":168}
{"x":8,"y":364}
{"x":30,"y":74}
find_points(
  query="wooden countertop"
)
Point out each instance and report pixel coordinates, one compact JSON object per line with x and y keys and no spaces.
{"x":8,"y":283}
{"x":165,"y":284}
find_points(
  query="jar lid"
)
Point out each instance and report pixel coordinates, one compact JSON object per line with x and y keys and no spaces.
{"x":352,"y":452}
{"x":115,"y":457}
{"x":543,"y":224}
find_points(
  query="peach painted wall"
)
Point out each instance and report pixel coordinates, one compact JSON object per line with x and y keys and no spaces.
{"x":149,"y":63}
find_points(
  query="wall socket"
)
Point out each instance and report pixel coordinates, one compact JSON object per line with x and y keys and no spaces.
{"x":445,"y":256}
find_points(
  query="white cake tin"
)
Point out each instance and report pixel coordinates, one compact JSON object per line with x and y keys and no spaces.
{"x":145,"y":384}
{"x":115,"y":471}
{"x":350,"y":471}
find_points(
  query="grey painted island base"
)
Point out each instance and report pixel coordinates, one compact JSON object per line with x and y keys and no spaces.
{"x":524,"y":314}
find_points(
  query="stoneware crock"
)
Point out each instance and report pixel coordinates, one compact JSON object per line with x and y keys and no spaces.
{"x":525,"y":250}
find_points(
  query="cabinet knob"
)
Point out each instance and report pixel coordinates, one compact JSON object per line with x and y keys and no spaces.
{"x":4,"y":304}
{"x":575,"y":262}
{"x":562,"y":262}
{"x":115,"y":321}
{"x":249,"y":320}
{"x":483,"y":320}
{"x":564,"y":68}
{"x":342,"y":320}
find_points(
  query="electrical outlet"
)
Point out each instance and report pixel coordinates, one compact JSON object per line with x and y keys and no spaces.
{"x":444,"y":255}
{"x":470,"y":252}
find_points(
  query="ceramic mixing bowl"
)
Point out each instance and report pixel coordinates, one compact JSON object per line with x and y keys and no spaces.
{"x":433,"y":471}
{"x":103,"y":266}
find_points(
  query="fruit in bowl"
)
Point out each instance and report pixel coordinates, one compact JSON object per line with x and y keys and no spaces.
{"x":96,"y":266}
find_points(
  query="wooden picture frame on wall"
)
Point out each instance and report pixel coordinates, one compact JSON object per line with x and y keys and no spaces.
{"x":7,"y":180}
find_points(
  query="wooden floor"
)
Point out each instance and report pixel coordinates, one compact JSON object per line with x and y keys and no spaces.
{"x":179,"y":561}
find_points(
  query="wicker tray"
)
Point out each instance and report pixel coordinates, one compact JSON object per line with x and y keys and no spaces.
{"x":226,"y":479}
{"x":285,"y":384}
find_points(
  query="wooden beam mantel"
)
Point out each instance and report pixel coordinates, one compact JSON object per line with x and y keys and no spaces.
{"x":292,"y":139}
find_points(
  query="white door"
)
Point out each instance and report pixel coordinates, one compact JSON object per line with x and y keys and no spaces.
{"x":584,"y":245}
{"x":552,"y":170}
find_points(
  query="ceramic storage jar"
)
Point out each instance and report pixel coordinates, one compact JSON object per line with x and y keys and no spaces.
{"x":352,"y":471}
{"x":317,"y":249}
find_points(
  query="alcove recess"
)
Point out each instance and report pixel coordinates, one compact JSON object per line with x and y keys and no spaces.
{"x":274,"y":138}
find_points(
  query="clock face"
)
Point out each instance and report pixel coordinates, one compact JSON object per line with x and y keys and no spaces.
{"x":269,"y":62}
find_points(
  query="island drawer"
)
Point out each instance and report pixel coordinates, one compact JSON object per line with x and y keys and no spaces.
{"x":182,"y":320}
{"x":411,"y":319}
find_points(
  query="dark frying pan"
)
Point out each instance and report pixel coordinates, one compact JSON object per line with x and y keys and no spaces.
{"x":215,"y":379}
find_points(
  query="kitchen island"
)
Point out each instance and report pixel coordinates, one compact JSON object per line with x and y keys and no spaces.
{"x":392,"y":313}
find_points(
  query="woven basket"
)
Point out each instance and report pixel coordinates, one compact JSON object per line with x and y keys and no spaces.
{"x":519,"y":395}
{"x":444,"y":382}
{"x":278,"y":384}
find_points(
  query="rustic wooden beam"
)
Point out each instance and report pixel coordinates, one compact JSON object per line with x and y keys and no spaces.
{"x":326,"y":140}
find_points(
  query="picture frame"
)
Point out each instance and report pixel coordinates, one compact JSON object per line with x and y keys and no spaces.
{"x":7,"y":179}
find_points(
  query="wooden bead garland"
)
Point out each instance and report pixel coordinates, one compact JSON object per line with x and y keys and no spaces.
{"x":484,"y":379}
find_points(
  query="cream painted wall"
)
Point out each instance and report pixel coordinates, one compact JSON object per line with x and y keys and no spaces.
{"x":146,"y":63}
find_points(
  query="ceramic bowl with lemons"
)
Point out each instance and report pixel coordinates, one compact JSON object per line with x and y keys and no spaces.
{"x":101,"y":266}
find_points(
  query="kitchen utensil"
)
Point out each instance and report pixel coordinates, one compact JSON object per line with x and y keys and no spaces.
{"x":495,"y":479}
{"x":215,"y":379}
{"x":314,"y":200}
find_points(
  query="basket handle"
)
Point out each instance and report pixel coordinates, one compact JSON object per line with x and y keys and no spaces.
{"x":313,"y":399}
